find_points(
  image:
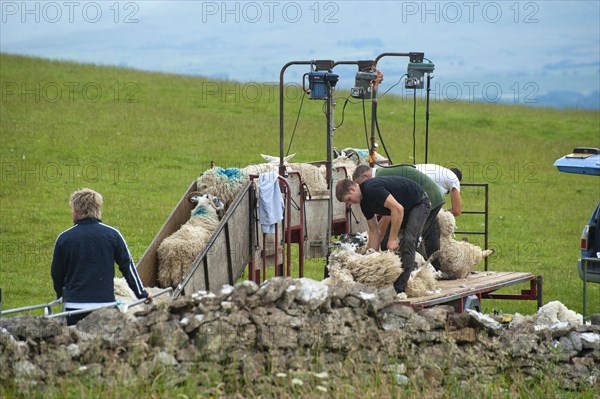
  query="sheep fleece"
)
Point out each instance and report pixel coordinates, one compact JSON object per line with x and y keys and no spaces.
{"x":178,"y":251}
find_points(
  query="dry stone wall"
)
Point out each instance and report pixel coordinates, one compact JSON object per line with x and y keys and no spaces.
{"x":289,"y":324}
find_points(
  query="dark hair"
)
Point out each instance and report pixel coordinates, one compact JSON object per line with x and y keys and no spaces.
{"x":342,"y":188}
{"x":457,"y":172}
{"x":360,"y":170}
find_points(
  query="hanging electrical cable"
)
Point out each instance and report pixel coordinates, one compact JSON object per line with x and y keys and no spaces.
{"x":394,"y":85}
{"x":387,"y":154}
{"x":296,"y":124}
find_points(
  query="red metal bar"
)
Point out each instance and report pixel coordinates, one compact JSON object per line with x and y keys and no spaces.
{"x":287,"y":227}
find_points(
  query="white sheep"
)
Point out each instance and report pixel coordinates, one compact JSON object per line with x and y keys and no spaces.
{"x":423,"y":280}
{"x":177,"y":252}
{"x":458,"y":258}
{"x":224,"y":184}
{"x":124,"y":294}
{"x":349,"y":262}
{"x":311,"y":174}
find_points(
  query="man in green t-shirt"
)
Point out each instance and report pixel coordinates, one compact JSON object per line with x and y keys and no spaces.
{"x":431,"y":229}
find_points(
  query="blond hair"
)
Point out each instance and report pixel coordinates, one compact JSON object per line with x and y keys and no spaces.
{"x":86,"y":203}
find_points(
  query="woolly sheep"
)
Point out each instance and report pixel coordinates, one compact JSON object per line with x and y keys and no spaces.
{"x":311,"y":174}
{"x":458,"y":258}
{"x":225,"y":184}
{"x":124,"y":294}
{"x":347,"y":265}
{"x":177,"y":252}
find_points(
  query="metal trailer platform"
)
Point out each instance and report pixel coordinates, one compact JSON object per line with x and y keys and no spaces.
{"x":482,"y":285}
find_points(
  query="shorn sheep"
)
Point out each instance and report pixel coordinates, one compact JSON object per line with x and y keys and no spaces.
{"x":349,"y":262}
{"x":177,"y":252}
{"x":457,"y":258}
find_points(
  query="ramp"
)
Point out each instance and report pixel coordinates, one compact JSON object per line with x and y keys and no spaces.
{"x":236,"y":241}
{"x":225,"y":256}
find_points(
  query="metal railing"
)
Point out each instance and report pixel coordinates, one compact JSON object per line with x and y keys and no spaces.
{"x":48,"y":306}
{"x":485,"y":231}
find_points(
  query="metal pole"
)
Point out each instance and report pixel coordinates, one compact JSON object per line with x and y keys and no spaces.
{"x":427,"y":117}
{"x":329,"y":164}
{"x":281,"y":95}
{"x":487,"y":233}
{"x":373,"y":118}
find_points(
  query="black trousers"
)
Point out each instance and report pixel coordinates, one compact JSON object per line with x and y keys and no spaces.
{"x":431,"y":237}
{"x":74,"y":319}
{"x":413,"y":228}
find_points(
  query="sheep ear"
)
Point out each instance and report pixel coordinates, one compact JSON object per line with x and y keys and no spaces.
{"x":288,"y":158}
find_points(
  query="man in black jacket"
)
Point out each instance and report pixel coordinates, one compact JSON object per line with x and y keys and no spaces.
{"x":398,"y":197}
{"x":84,"y":258}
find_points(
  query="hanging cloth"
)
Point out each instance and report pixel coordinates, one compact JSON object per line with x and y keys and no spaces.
{"x":270,"y":203}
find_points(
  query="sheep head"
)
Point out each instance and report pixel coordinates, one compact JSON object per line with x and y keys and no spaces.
{"x":447,"y":223}
{"x":206,"y":205}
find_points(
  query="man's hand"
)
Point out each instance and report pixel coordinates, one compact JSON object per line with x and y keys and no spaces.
{"x":149,"y":299}
{"x":392,"y":244}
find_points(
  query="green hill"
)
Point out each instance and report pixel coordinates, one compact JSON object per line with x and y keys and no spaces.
{"x":140,"y":138}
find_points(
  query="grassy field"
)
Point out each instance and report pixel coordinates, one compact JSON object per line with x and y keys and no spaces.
{"x":140,"y":138}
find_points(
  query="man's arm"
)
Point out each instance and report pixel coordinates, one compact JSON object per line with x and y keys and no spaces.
{"x":396,"y":218}
{"x":57,"y":271}
{"x":456,"y":202}
{"x":374,"y":236}
{"x":127,"y":268}
{"x":384,"y":222}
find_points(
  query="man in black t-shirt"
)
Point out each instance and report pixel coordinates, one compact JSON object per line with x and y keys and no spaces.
{"x":400,"y":198}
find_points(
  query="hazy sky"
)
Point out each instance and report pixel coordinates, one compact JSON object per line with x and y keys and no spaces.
{"x":520,"y":51}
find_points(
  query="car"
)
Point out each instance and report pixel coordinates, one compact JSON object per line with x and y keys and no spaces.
{"x":586,"y":160}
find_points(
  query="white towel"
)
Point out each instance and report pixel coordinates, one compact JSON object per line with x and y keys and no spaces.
{"x":270,"y":204}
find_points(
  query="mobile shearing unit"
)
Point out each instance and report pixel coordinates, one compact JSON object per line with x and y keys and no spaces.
{"x":311,"y":219}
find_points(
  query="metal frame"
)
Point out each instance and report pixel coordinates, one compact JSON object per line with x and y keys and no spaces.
{"x":223,"y":226}
{"x":254,"y":272}
{"x":330,"y":65}
{"x":48,"y":306}
{"x":485,"y":231}
{"x":534,"y":293}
